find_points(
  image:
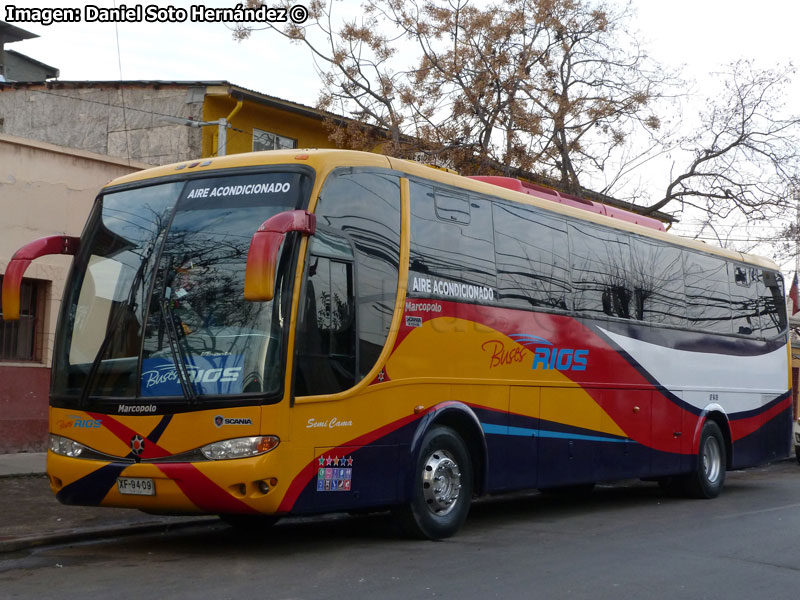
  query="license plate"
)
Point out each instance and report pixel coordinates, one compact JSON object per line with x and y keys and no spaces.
{"x":136,"y":486}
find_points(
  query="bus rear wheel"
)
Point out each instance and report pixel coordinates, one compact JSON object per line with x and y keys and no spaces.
{"x":707,"y":480}
{"x":442,"y":488}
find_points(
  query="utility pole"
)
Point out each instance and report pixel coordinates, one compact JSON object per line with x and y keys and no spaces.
{"x":222,"y":141}
{"x":796,"y":198}
{"x":222,"y":131}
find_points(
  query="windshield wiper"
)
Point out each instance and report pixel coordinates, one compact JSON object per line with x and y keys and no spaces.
{"x":178,"y":355}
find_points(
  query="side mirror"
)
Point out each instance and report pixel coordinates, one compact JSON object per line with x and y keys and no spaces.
{"x":262,"y":258}
{"x":12,"y":279}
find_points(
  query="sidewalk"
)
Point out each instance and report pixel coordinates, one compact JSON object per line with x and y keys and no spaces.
{"x":32,"y":516}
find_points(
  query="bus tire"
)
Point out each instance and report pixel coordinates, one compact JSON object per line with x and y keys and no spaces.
{"x":707,"y":480}
{"x":442,"y":487}
{"x":797,"y":453}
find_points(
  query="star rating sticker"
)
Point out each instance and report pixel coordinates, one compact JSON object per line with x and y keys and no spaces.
{"x":328,"y":461}
{"x":321,"y":461}
{"x":336,"y":461}
{"x":350,"y":461}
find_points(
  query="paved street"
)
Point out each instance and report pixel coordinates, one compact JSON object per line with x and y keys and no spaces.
{"x":624,"y":541}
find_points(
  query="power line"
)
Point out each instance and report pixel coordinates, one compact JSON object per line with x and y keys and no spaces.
{"x":124,"y":108}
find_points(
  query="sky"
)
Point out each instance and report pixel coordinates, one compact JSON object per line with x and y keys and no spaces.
{"x":697,"y":36}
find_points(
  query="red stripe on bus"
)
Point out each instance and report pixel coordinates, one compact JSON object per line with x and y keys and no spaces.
{"x":202,"y":491}
{"x":743,"y":427}
{"x":126,"y":434}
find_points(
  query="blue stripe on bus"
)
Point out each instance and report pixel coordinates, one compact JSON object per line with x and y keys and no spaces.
{"x":525,"y":432}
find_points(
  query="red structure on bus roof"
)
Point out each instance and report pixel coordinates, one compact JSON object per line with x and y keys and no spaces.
{"x":540,"y":191}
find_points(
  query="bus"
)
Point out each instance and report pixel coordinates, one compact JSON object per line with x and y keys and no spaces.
{"x":298,"y":332}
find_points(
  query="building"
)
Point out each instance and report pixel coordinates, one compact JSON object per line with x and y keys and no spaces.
{"x":44,"y":190}
{"x":159,"y":122}
{"x":18,"y":67}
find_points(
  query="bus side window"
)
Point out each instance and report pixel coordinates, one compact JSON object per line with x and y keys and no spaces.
{"x":452,"y":236}
{"x":601,"y":272}
{"x":707,"y":293}
{"x":659,"y":295}
{"x":532,"y":258}
{"x":744,"y":299}
{"x":363,"y":207}
{"x":326,"y":335}
{"x":771,"y":304}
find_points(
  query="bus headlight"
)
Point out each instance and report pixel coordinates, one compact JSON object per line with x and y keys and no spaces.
{"x":64,"y":446}
{"x":240,"y":447}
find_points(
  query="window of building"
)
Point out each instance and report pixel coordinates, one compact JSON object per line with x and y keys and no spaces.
{"x":265,"y":140}
{"x":22,"y":340}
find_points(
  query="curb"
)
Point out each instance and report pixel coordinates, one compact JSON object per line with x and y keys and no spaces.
{"x":13,"y":544}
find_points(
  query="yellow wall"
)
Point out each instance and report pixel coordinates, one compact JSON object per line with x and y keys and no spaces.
{"x":309,"y":133}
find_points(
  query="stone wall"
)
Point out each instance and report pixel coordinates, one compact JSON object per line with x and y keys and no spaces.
{"x":135,"y":122}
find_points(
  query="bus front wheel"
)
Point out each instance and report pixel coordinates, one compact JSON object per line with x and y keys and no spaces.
{"x":442,"y":488}
{"x":707,"y":480}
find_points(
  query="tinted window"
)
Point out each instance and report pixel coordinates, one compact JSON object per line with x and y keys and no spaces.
{"x":108,"y":298}
{"x":707,"y":293}
{"x":451,"y":242}
{"x":326,"y":334}
{"x":657,"y":276}
{"x":601,"y":271}
{"x":198,"y":305}
{"x":365,"y":208}
{"x":531,"y":256}
{"x":744,"y":299}
{"x":452,"y":207}
{"x":771,"y":303}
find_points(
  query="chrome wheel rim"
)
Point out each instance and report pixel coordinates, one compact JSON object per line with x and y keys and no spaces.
{"x":441,"y":482}
{"x":712,"y":459}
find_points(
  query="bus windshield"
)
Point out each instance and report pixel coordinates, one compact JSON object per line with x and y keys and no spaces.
{"x":157,"y":308}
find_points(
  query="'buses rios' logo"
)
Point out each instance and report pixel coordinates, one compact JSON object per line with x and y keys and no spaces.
{"x":545,"y":355}
{"x":76,"y":422}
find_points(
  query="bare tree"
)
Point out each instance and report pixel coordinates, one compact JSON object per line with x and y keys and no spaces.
{"x":594,"y":88}
{"x":354,"y":61}
{"x":559,"y":89}
{"x":549,"y":86}
{"x":745,"y":154}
